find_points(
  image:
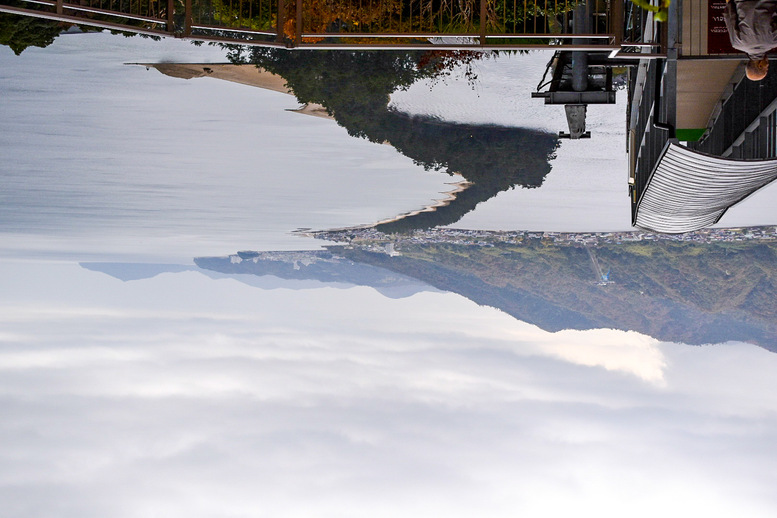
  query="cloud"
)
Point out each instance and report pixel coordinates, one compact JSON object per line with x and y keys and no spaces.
{"x":626,"y":352}
{"x":345,"y":403}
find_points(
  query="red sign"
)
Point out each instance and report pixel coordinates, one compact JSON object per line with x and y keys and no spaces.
{"x":718,"y":41}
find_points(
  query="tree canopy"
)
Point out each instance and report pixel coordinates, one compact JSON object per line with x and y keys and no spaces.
{"x":21,"y":32}
{"x":355,"y":88}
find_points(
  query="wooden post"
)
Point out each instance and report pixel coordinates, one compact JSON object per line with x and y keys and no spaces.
{"x":280,"y":21}
{"x":298,"y":39}
{"x":616,"y":21}
{"x":483,"y":21}
{"x":60,"y":7}
{"x":187,"y":18}
{"x":170,"y":17}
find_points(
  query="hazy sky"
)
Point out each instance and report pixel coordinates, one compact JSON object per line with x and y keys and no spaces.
{"x":183,"y":395}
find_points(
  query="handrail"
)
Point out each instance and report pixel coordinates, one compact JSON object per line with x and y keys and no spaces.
{"x":95,"y":10}
{"x":288,"y":23}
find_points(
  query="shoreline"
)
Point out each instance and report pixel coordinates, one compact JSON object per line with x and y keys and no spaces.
{"x":249,"y":75}
{"x":484,"y":237}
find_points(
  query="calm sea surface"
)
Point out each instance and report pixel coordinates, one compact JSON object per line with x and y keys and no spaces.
{"x":114,"y":160}
{"x":134,"y":383}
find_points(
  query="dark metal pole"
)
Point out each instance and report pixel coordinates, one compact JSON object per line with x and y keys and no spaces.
{"x":670,"y":73}
{"x":580,"y":23}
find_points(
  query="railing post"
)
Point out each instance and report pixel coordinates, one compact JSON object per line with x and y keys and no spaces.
{"x":187,"y":18}
{"x":298,"y":38}
{"x":170,"y":17}
{"x":670,"y":73}
{"x":280,"y":21}
{"x":763,"y":142}
{"x":483,"y":21}
{"x":616,"y":21}
{"x":60,"y":7}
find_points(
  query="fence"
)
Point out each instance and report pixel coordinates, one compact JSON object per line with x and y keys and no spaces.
{"x":613,"y":25}
{"x":237,"y":16}
{"x":458,"y":18}
{"x":651,"y":124}
{"x":150,"y":11}
{"x":745,"y":124}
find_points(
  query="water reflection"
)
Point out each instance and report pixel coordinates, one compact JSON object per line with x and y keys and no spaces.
{"x":700,"y":288}
{"x":355,"y":88}
{"x":22,"y":32}
{"x":442,"y":372}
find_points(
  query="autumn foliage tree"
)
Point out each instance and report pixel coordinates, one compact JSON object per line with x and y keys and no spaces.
{"x":388,"y":17}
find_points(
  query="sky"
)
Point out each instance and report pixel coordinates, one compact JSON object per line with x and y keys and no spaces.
{"x":186,"y":395}
{"x":183,"y":395}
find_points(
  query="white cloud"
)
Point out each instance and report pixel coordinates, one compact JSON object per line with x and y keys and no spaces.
{"x":627,"y":352}
{"x":264,"y":403}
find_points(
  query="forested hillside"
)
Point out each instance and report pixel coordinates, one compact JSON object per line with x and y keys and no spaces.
{"x":683,"y":292}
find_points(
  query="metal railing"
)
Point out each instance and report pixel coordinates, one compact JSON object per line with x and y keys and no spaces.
{"x":652,"y":114}
{"x":237,"y":16}
{"x":460,"y":18}
{"x":152,"y":11}
{"x":760,"y":139}
{"x":614,"y":25}
{"x":651,"y":124}
{"x":150,"y":17}
{"x":744,"y":125}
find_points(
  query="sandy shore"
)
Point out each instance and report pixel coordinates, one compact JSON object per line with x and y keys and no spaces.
{"x":250,"y":75}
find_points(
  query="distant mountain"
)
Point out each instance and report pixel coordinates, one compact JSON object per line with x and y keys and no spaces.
{"x":135,"y":271}
{"x":678,"y":292}
{"x":319,"y":265}
{"x":288,"y":270}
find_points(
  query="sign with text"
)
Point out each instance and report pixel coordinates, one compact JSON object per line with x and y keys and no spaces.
{"x":718,"y":41}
